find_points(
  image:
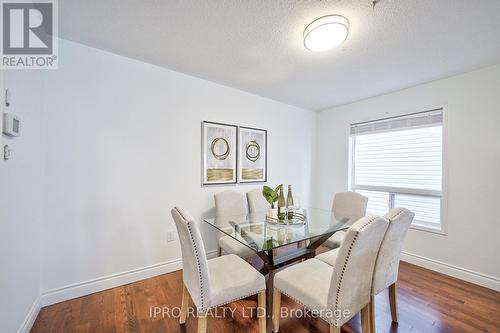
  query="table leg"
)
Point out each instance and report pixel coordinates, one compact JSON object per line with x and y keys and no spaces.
{"x":269,"y":301}
{"x":268,"y":269}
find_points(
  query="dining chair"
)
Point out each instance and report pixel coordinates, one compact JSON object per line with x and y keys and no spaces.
{"x":231,"y":203}
{"x":207,"y":281}
{"x":335,"y":294}
{"x":346,"y":204}
{"x":256,"y":201}
{"x":387,"y":263}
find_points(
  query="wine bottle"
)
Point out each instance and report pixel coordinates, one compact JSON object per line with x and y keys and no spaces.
{"x":289,"y":203}
{"x":281,"y":205}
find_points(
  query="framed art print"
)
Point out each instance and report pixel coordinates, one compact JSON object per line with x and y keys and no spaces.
{"x":252,"y":155}
{"x":220,"y":142}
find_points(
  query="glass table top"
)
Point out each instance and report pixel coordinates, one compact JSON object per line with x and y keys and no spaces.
{"x":261,"y":233}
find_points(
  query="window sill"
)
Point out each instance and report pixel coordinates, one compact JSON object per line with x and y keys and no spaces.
{"x":435,"y":230}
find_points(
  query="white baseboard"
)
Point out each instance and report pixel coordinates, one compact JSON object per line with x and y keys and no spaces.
{"x":30,"y":317}
{"x":111,"y":281}
{"x":484,"y":280}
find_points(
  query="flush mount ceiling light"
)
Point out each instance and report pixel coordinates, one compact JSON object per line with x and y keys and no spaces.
{"x":326,"y":33}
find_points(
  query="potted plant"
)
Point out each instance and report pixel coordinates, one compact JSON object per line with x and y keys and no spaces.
{"x":271,"y":196}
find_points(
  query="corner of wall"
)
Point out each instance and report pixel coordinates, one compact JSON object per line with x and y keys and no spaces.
{"x":314,"y":161}
{"x":31,"y":316}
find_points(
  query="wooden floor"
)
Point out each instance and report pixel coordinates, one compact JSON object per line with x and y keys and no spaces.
{"x":428,"y":302}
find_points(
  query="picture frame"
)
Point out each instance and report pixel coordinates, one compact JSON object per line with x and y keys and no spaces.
{"x":219,"y":153}
{"x":252,"y":155}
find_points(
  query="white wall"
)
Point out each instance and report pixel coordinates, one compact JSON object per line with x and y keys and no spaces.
{"x":21,"y":195}
{"x":123,"y":148}
{"x":472,"y":156}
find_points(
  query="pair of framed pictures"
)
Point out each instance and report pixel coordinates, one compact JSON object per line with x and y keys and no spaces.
{"x":233,"y":154}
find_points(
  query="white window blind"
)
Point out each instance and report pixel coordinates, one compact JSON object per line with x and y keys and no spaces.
{"x":397,"y":162}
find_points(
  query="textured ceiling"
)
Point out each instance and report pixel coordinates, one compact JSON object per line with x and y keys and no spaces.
{"x":256,"y":45}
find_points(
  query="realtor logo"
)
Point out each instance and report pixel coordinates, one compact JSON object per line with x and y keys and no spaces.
{"x":28,"y":30}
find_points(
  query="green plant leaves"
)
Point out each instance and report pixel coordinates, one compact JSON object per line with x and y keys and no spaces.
{"x":270,"y":195}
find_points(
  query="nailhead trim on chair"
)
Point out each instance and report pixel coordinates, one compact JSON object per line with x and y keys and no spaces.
{"x":237,"y":299}
{"x":399,"y":213}
{"x":328,"y":320}
{"x":344,"y":266}
{"x":200,"y":279}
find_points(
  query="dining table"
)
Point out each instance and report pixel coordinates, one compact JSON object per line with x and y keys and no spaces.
{"x":302,"y":234}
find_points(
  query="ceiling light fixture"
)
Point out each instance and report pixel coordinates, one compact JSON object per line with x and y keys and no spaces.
{"x":326,"y":33}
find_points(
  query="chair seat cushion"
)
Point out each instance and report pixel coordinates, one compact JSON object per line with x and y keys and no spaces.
{"x":232,"y":246}
{"x":328,"y":257}
{"x":307,"y":283}
{"x":232,"y":278}
{"x":336,"y":240}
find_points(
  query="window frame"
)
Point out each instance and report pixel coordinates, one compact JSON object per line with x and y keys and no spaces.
{"x":392,"y":191}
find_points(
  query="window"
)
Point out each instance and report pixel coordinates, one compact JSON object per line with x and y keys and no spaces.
{"x":398,"y":162}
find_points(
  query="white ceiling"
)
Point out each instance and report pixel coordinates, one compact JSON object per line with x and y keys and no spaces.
{"x":256,"y":45}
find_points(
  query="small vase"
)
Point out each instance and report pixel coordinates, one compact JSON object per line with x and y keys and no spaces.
{"x":272,"y":212}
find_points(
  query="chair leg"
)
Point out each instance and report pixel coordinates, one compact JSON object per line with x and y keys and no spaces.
{"x":185,"y":303}
{"x":202,"y":323}
{"x":334,"y":329}
{"x":219,"y":250}
{"x":365,"y":319}
{"x":372,"y":315}
{"x":392,"y":302}
{"x":276,"y":310}
{"x":263,"y":316}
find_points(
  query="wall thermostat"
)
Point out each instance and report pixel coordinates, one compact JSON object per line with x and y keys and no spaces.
{"x":11,"y":124}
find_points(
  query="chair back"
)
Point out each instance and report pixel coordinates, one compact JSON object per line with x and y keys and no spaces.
{"x":194,"y":260}
{"x":352,"y":277}
{"x":387,"y":264}
{"x":229,"y":203}
{"x":256,"y":201}
{"x":349,"y":204}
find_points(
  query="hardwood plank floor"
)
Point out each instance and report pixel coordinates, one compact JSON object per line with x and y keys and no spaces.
{"x":428,"y":302}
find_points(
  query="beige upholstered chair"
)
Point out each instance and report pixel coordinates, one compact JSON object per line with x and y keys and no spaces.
{"x":335,"y":294}
{"x":207,"y":281}
{"x":329,"y":257}
{"x":387,"y":263}
{"x":346,"y":204}
{"x":231,"y":203}
{"x":256,"y":201}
